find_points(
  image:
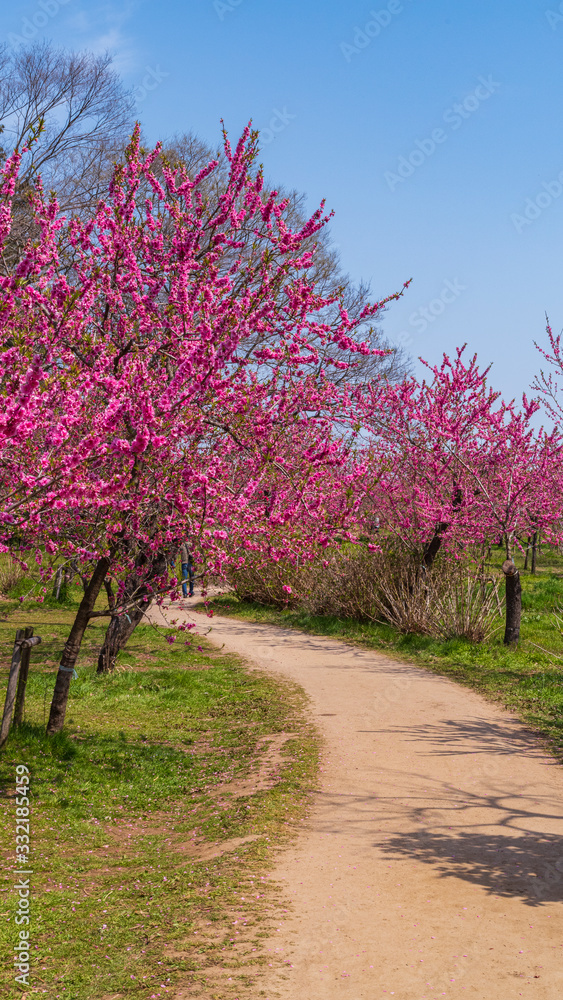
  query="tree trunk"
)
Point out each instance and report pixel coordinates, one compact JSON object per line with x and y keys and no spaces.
{"x":137,"y":589}
{"x":433,"y":547}
{"x":513,"y":603}
{"x":68,"y":575}
{"x":58,"y":582}
{"x":527,"y":551}
{"x":534,"y":551}
{"x":110,"y":593}
{"x":72,"y":646}
{"x":120,"y":630}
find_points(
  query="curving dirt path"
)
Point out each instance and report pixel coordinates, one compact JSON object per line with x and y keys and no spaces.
{"x":432,"y":861}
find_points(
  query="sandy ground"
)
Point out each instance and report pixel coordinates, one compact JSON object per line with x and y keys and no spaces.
{"x":432,"y":862}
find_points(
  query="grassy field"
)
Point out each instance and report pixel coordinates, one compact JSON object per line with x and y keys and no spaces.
{"x":154,"y":817}
{"x":528,"y":680}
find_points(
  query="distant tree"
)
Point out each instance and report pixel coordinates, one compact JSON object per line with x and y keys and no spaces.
{"x":457,"y":467}
{"x":75,"y":107}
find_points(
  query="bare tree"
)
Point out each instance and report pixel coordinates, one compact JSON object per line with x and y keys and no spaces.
{"x":73,"y":112}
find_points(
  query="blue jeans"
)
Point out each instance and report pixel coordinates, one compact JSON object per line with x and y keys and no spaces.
{"x":187,"y":575}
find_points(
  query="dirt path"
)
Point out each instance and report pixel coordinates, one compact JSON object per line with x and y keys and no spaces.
{"x":432,"y":862}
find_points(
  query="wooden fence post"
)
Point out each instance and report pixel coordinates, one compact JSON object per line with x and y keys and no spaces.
{"x":22,"y":681}
{"x":23,"y":641}
{"x":11,"y":691}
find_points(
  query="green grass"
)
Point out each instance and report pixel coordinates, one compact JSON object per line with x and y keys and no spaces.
{"x":125,"y":803}
{"x":527,"y":680}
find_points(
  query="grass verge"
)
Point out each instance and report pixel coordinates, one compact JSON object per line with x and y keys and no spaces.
{"x":154,"y":818}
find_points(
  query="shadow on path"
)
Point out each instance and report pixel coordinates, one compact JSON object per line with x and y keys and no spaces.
{"x":472,"y":736}
{"x":490,"y":839}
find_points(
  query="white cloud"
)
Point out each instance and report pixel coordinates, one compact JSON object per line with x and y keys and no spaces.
{"x":104,"y":28}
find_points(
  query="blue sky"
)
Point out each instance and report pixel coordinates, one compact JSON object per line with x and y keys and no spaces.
{"x":358,"y":101}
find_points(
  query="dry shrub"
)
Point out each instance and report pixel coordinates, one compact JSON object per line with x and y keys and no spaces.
{"x":11,"y":573}
{"x":263,"y":581}
{"x":453,"y":599}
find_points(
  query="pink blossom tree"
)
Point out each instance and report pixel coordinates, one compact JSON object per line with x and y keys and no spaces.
{"x":457,"y":465}
{"x":129,"y":405}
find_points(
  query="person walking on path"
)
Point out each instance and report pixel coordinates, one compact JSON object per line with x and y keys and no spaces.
{"x":187,"y":560}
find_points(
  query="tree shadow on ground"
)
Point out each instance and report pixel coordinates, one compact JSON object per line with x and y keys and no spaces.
{"x":529,"y":866}
{"x":474,"y":736}
{"x":500,"y":840}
